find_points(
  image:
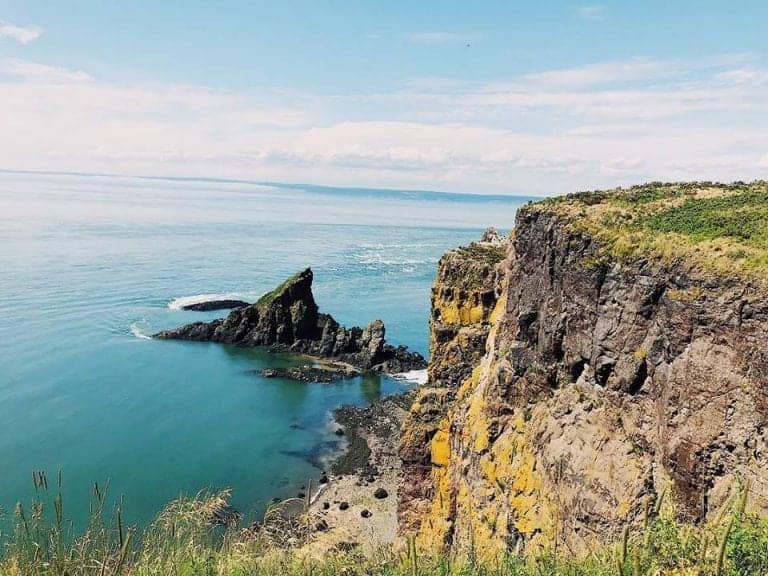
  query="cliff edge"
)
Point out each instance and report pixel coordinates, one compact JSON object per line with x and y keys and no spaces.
{"x":609,"y":355}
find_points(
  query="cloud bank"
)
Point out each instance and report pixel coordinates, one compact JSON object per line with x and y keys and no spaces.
{"x":551,"y":132}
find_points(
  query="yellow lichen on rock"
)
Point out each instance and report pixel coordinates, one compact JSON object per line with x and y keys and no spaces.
{"x":461,"y":313}
{"x":498,"y":309}
{"x":438,"y":522}
{"x":477,"y":425}
{"x":441,"y":445}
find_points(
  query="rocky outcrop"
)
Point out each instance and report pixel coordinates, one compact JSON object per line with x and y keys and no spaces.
{"x":572,"y":384}
{"x":287,"y":319}
{"x":211,"y":305}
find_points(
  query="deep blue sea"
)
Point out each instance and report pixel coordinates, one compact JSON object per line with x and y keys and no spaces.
{"x":90,"y":265}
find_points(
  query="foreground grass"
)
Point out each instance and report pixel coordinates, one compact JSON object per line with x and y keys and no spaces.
{"x":182,"y":541}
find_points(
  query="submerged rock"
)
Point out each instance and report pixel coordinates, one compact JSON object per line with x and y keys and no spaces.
{"x":306,"y":373}
{"x":287,"y":319}
{"x":215,"y":305}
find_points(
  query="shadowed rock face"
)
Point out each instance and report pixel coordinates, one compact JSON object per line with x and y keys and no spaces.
{"x":288,"y":319}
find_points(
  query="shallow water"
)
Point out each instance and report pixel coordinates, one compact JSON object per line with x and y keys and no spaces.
{"x":89,"y":266}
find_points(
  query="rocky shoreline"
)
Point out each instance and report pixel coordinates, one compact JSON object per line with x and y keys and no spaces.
{"x":355,"y":504}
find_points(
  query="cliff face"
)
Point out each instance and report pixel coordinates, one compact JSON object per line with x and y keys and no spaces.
{"x":464,"y":294}
{"x":589,"y":381}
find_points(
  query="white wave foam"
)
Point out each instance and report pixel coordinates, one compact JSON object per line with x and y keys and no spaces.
{"x":416,"y":376}
{"x":384,"y":261}
{"x":179,"y":303}
{"x":136,"y":331}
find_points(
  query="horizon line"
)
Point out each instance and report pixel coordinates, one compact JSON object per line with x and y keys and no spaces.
{"x":291,"y":185}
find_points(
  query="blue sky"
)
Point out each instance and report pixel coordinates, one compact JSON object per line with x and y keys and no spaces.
{"x":536,"y":97}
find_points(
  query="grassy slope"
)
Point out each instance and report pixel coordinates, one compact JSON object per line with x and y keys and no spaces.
{"x":711,"y":228}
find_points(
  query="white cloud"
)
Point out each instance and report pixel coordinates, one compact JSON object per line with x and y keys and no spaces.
{"x":551,"y":132}
{"x":36,"y":72}
{"x":21,"y":34}
{"x":605,"y":72}
{"x":592,"y":13}
{"x":434,"y":38}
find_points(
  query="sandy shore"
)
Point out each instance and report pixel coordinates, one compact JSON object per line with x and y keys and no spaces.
{"x":351,"y":510}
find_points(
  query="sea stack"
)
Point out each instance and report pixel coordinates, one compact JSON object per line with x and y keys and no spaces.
{"x":287,"y":319}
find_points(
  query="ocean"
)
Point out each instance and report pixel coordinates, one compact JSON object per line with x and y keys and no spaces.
{"x":90,"y":266}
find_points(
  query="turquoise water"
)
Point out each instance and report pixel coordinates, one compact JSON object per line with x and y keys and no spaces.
{"x":90,"y":264}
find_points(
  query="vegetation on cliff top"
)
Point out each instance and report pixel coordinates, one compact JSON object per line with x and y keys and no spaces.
{"x":269,"y":297}
{"x":717,"y":227}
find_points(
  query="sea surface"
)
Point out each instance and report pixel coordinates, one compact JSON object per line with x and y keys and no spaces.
{"x":90,"y":266}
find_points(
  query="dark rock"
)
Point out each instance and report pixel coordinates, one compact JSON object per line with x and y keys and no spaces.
{"x":215,"y":305}
{"x":323,"y":479}
{"x":225,"y":516}
{"x":287,"y":319}
{"x":339,"y":431}
{"x":321,"y":525}
{"x":301,"y":495}
{"x":344,"y":506}
{"x":306,"y":373}
{"x":380,"y":493}
{"x":365,"y":513}
{"x":326,"y":505}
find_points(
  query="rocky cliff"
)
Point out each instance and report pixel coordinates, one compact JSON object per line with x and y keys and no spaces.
{"x":612,"y":351}
{"x":288,"y":319}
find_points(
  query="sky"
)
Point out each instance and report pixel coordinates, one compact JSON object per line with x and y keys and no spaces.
{"x":488,"y":96}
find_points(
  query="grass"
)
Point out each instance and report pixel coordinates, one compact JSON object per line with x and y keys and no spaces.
{"x":269,"y":297}
{"x":182,"y":541}
{"x":742,"y":216}
{"x":720,"y":228}
{"x":486,"y":254}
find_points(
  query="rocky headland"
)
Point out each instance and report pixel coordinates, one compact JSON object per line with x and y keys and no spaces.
{"x":287,"y":319}
{"x":607,"y":357}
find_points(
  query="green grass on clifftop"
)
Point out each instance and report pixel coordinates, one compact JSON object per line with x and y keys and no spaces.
{"x":719,"y":228}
